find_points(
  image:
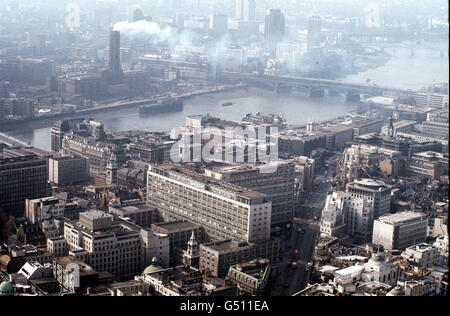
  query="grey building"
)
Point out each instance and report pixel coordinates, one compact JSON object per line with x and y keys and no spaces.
{"x":314,"y":28}
{"x":364,"y":125}
{"x":374,"y":191}
{"x":58,"y":130}
{"x":274,"y":26}
{"x":218,"y":257}
{"x":225,"y":211}
{"x":68,"y":170}
{"x":113,"y":245}
{"x":115,"y":74}
{"x":435,"y":128}
{"x":278,"y":186}
{"x":179,"y":233}
{"x":251,"y":277}
{"x":23,"y":175}
{"x":141,"y":214}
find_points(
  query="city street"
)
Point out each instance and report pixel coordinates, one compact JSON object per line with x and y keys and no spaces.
{"x":303,"y":236}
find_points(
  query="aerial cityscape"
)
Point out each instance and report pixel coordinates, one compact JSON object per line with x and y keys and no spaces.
{"x":233,"y":148}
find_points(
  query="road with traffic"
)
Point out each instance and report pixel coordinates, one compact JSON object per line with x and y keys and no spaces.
{"x":303,"y":236}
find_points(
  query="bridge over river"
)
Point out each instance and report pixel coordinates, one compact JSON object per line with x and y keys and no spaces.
{"x":315,"y":86}
{"x":12,"y":141}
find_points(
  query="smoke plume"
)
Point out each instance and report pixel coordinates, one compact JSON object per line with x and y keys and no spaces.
{"x":156,"y":33}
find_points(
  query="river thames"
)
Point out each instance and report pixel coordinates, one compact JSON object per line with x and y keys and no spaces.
{"x":405,"y":70}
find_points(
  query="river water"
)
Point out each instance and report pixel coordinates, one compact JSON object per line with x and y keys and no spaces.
{"x":296,"y":109}
{"x":404,"y":71}
{"x":411,"y":67}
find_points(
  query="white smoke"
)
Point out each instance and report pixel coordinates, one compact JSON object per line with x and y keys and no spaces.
{"x":183,"y":40}
{"x":155,"y":33}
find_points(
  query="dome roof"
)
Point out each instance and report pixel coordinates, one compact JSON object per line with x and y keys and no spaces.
{"x":378,"y":258}
{"x":397,"y":291}
{"x":6,"y":287}
{"x":152,"y":269}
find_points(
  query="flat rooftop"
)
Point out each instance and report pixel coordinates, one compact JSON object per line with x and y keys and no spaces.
{"x":422,"y":247}
{"x":401,"y":217}
{"x":67,"y":158}
{"x":236,"y":168}
{"x":135,"y":208}
{"x":403,"y":123}
{"x":362,"y":121}
{"x":45,"y":199}
{"x":381,"y":100}
{"x":95,"y":214}
{"x":67,"y":260}
{"x":177,"y":226}
{"x":370,"y":183}
{"x":349,"y":271}
{"x":16,"y":154}
{"x":430,"y":154}
{"x":207,"y":181}
{"x":328,"y":268}
{"x":226,"y":245}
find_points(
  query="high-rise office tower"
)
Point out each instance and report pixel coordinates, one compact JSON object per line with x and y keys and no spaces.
{"x":314,"y":27}
{"x":114,"y":67}
{"x":274,"y":26}
{"x":274,"y":29}
{"x":138,"y":15}
{"x":218,"y":24}
{"x":246,"y":10}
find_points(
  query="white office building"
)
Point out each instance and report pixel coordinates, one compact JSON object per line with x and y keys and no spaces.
{"x":400,"y":230}
{"x":431,"y":99}
{"x":225,"y":211}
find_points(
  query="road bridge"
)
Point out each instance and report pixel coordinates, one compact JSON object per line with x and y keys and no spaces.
{"x":315,"y":86}
{"x":12,"y":141}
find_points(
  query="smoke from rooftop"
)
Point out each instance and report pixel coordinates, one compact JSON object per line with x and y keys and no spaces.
{"x":156,"y":33}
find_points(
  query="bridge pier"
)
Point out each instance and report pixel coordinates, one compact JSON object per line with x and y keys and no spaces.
{"x":333,"y":93}
{"x":283,"y":89}
{"x":352,"y":97}
{"x":316,"y":92}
